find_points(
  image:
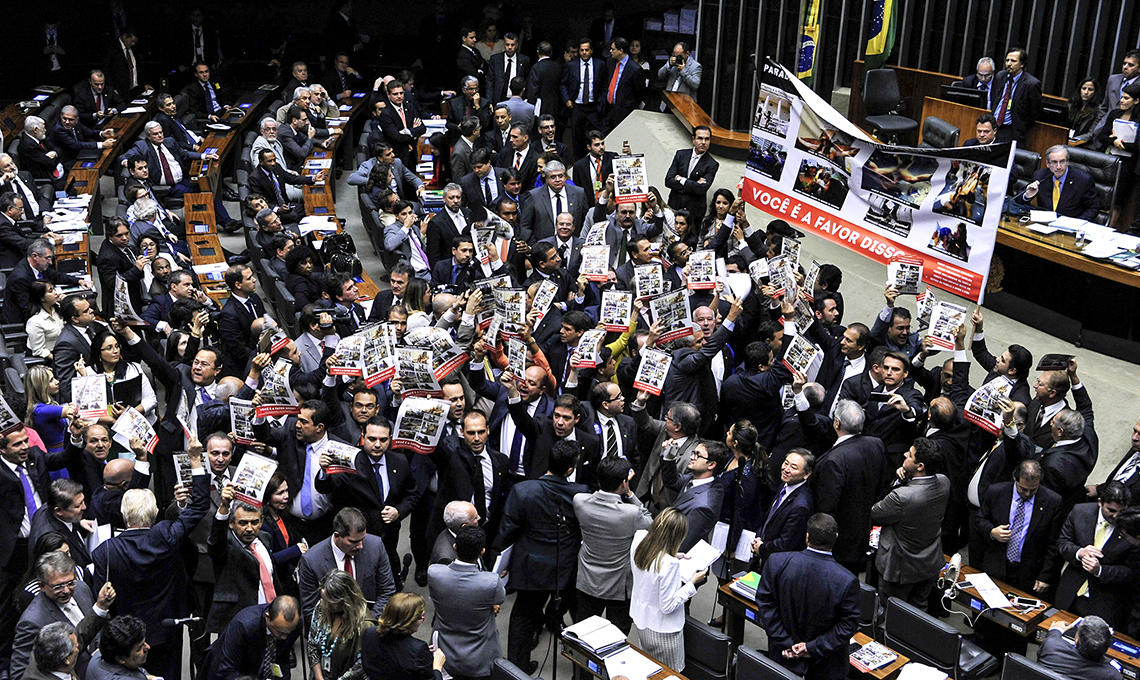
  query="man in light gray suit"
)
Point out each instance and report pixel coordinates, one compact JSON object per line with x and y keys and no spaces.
{"x":699,"y":493}
{"x":61,"y":599}
{"x":678,"y":432}
{"x":608,"y":519}
{"x":56,"y":651}
{"x":466,"y":600}
{"x":309,"y":342}
{"x":547,"y":202}
{"x":350,"y":549}
{"x":910,"y":545}
{"x":521,"y":110}
{"x":682,"y":73}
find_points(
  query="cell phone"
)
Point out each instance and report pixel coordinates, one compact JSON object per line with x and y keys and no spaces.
{"x":879,"y":396}
{"x":1026,"y":602}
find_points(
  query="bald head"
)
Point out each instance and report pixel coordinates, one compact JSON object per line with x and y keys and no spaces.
{"x":118,"y":472}
{"x":228,"y":387}
{"x":943,"y":413}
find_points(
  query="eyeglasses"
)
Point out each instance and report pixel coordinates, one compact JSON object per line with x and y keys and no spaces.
{"x":60,"y":587}
{"x":619,"y":397}
{"x":701,"y":456}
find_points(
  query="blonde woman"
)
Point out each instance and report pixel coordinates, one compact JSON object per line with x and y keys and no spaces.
{"x":389,"y":650}
{"x":337,"y":631}
{"x":657,"y":604}
{"x":44,"y":414}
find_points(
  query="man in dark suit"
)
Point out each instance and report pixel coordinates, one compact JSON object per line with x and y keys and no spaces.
{"x":63,"y":513}
{"x":383,"y":488}
{"x":460,"y":270}
{"x":96,"y":102}
{"x":296,"y":139}
{"x":203,"y":96}
{"x":584,"y":91}
{"x":625,"y":84}
{"x":1014,"y":363}
{"x":20,"y":182}
{"x":270,"y":179}
{"x":700,"y":493}
{"x":1083,"y":658}
{"x":543,"y":433}
{"x":469,"y":469}
{"x":847,"y":481}
{"x":538,"y":520}
{"x":242,"y":310}
{"x":1095,"y":564}
{"x":519,"y":155}
{"x":1126,"y":470}
{"x":809,"y":629}
{"x":786,"y":522}
{"x":258,"y":633}
{"x":167,"y":162}
{"x":468,"y":62}
{"x":468,"y":103}
{"x":1072,"y":457}
{"x":547,"y":141}
{"x":244,"y":569}
{"x":505,"y":66}
{"x":300,"y":78}
{"x":895,"y":420}
{"x":566,"y":244}
{"x":551,"y":200}
{"x":342,"y":80}
{"x":617,"y":432}
{"x":689,"y":378}
{"x":595,"y":167}
{"x":1078,"y":193}
{"x":691,"y":175}
{"x":447,"y":225}
{"x":131,"y":559}
{"x":38,"y":154}
{"x":72,"y":137}
{"x":74,"y":341}
{"x":36,"y":266}
{"x":401,"y":124}
{"x":1015,"y":98}
{"x":755,"y":391}
{"x":13,"y":244}
{"x":122,"y":65}
{"x":982,"y":78}
{"x":482,"y":186}
{"x":61,"y":599}
{"x":354,"y":551}
{"x":544,"y":83}
{"x":119,"y":476}
{"x":498,"y":135}
{"x":117,"y":258}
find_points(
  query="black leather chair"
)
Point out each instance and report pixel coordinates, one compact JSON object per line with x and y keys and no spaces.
{"x":1025,"y":162}
{"x":1017,"y":667}
{"x":924,"y":638}
{"x":1105,"y":171}
{"x":708,"y":652}
{"x":883,"y":102}
{"x":871,"y":616}
{"x":286,"y":307}
{"x":502,"y":669}
{"x":753,"y":665}
{"x":938,"y":134}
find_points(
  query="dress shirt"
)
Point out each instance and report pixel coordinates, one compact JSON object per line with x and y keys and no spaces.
{"x":210,"y":390}
{"x":1128,"y":470}
{"x":321,"y":502}
{"x":1012,"y":91}
{"x":199,"y":44}
{"x":263,"y":557}
{"x":338,"y":557}
{"x":1047,"y":412}
{"x":512,"y":68}
{"x":133,"y":70}
{"x":458,"y":220}
{"x":175,"y":166}
{"x":419,"y":257}
{"x":586,"y":77}
{"x":519,"y":157}
{"x":782,"y":496}
{"x":507,"y":436}
{"x":30,"y":202}
{"x":557,"y":198}
{"x":693,"y":161}
{"x":604,"y":423}
{"x":26,"y":522}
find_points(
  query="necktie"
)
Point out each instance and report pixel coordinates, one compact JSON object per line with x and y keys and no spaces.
{"x":131,"y":67}
{"x":265,"y":670}
{"x":31,"y":206}
{"x":455,"y":272}
{"x":614,"y":82}
{"x":622,"y":246}
{"x":72,"y":612}
{"x":167,"y":175}
{"x":775,"y":506}
{"x":507,"y":73}
{"x":265,"y":576}
{"x":203,"y":395}
{"x":1040,"y":418}
{"x":378,"y":470}
{"x":99,"y":101}
{"x":586,"y":90}
{"x":612,"y":440}
{"x":211,"y":102}
{"x":415,"y":238}
{"x":307,"y":483}
{"x":1056,"y":193}
{"x":518,"y":160}
{"x":1098,"y":541}
{"x":846,"y":365}
{"x":403,"y":119}
{"x":249,"y":305}
{"x":1004,"y":106}
{"x":29,"y":494}
{"x":479,"y":497}
{"x":516,"y":450}
{"x":1013,"y":548}
{"x":198,"y":54}
{"x":348,"y":566}
{"x":1128,"y":469}
{"x":693,"y":163}
{"x":487,"y":190}
{"x":564,"y":252}
{"x":597,"y":177}
{"x":558,"y":205}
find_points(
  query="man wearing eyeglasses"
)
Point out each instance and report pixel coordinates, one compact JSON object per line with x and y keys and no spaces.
{"x":1064,"y":190}
{"x":65,"y":599}
{"x":36,"y":266}
{"x":983,"y":78}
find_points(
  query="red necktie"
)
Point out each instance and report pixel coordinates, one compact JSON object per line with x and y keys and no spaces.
{"x":348,"y":566}
{"x":167,"y":175}
{"x":99,"y":102}
{"x":266,"y":577}
{"x":614,"y":82}
{"x":1004,"y":101}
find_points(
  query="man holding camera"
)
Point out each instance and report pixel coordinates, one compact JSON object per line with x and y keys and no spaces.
{"x":682,"y":73}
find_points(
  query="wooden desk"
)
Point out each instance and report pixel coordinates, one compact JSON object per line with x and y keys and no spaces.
{"x":240,"y":118}
{"x":965,"y":118}
{"x":886,"y":672}
{"x":691,"y":115}
{"x":1060,"y":248}
{"x":1023,"y":623}
{"x":202,"y":240}
{"x":12,"y":117}
{"x":1129,"y":666}
{"x":594,"y":665}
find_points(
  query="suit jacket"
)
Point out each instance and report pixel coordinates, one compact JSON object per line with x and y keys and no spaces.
{"x":987,"y":361}
{"x":1026,"y":104}
{"x":785,"y":527}
{"x":700,"y":504}
{"x":463,"y":598}
{"x":686,"y":79}
{"x":239,"y":649}
{"x":474,"y":198}
{"x":12,"y":508}
{"x":807,"y":597}
{"x":107,"y":504}
{"x":45,"y":521}
{"x":442,"y":233}
{"x":362,"y":490}
{"x":33,"y":156}
{"x":910,"y":545}
{"x":1059,"y":655}
{"x":691,"y":194}
{"x":460,"y":161}
{"x":583,"y":177}
{"x":470,"y":63}
{"x":297,"y":146}
{"x":196,"y":98}
{"x":1133,"y":482}
{"x":237,"y":574}
{"x":521,"y":110}
{"x":457,"y":110}
{"x":545,"y":545}
{"x":887,"y":423}
{"x":443,"y":274}
{"x":70,"y":142}
{"x":543,"y":86}
{"x":647,"y":479}
{"x":573,"y":261}
{"x":528,"y":171}
{"x":457,"y":468}
{"x":538,"y":216}
{"x":118,"y":75}
{"x":403,"y":143}
{"x":70,"y":346}
{"x":144,"y":149}
{"x":370,"y":569}
{"x":84,"y":101}
{"x":261,"y":183}
{"x":17,"y":293}
{"x":237,"y":338}
{"x":540,"y":438}
{"x":112,"y":261}
{"x":628,"y":93}
{"x":13,"y":245}
{"x":572,"y":81}
{"x":846,"y":482}
{"x":1039,"y":538}
{"x":1079,"y":197}
{"x":131,"y":559}
{"x":758,"y":394}
{"x":1067,"y":467}
{"x":32,"y":194}
{"x":689,"y":378}
{"x":497,"y":82}
{"x":43,"y":611}
{"x":494,"y":140}
{"x":608,"y":523}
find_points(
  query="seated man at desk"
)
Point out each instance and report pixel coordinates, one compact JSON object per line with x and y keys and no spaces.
{"x":1084,"y":658}
{"x":166,"y":161}
{"x":71,"y":136}
{"x":1069,"y":192}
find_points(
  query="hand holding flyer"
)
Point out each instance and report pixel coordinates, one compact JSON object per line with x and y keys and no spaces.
{"x":342,"y":457}
{"x":586,"y":354}
{"x":252,"y":476}
{"x":905,"y":275}
{"x":671,"y":312}
{"x":8,"y":420}
{"x":648,"y":280}
{"x":803,"y":357}
{"x":89,"y":394}
{"x":617,"y":305}
{"x":543,"y":298}
{"x":277,"y":397}
{"x":631,"y":179}
{"x":130,"y":424}
{"x":416,"y":373}
{"x":419,"y":424}
{"x":124,"y":308}
{"x":983,"y":408}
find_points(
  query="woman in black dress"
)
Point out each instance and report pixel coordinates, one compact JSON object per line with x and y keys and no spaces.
{"x":389,"y":652}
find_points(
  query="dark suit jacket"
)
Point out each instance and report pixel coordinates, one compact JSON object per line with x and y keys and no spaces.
{"x":540,"y":438}
{"x":33,"y":156}
{"x":84,"y":101}
{"x":13,"y":245}
{"x":260,"y":183}
{"x":582,"y":176}
{"x":1040,"y":535}
{"x":396,"y":656}
{"x":70,"y":346}
{"x":700,"y":504}
{"x":758,"y":394}
{"x":546,"y":549}
{"x":691,"y":195}
{"x":237,"y":574}
{"x":470,"y":63}
{"x":297,"y":146}
{"x":807,"y":597}
{"x":17,"y":294}
{"x":239,"y":649}
{"x":496,"y":74}
{"x":443,"y":274}
{"x":131,"y":559}
{"x":237,"y":338}
{"x":689,"y":378}
{"x":107,"y":504}
{"x":1133,"y":482}
{"x":12,"y":508}
{"x":1110,"y":593}
{"x":1079,"y":197}
{"x":362,"y":490}
{"x":370,"y":569}
{"x":403,"y":143}
{"x":1059,"y":655}
{"x":545,"y":79}
{"x":473,"y":197}
{"x":847,"y":481}
{"x":538,"y":216}
{"x":112,"y":261}
{"x":886,"y":422}
{"x":43,"y":611}
{"x":1066,"y":468}
{"x":987,"y":361}
{"x":118,"y":76}
{"x":144,"y":149}
{"x":785,"y":528}
{"x":527,"y":172}
{"x":45,"y":521}
{"x":572,"y":81}
{"x":628,"y":93}
{"x":442,"y":233}
{"x":37,"y":195}
{"x":457,"y":468}
{"x":1026,"y":103}
{"x":196,"y":98}
{"x":573,"y":262}
{"x":70,"y":142}
{"x":457,"y":110}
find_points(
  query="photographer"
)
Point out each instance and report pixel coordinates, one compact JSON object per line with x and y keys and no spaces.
{"x":462,"y":268}
{"x":340,"y":301}
{"x":682,"y":73}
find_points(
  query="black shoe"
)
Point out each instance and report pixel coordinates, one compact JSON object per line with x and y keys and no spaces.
{"x":536,"y":639}
{"x":718,"y":622}
{"x":421,"y":577}
{"x":407,"y":565}
{"x":231,"y":227}
{"x":238,"y":259}
{"x":229,"y":194}
{"x":530,"y":668}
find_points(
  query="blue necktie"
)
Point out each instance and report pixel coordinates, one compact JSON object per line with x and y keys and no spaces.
{"x":378,"y":470}
{"x":455,"y":273}
{"x":516,"y":450}
{"x":29,"y":495}
{"x":307,"y":483}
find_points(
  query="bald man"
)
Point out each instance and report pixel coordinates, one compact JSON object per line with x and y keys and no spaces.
{"x":71,"y":137}
{"x":119,"y":475}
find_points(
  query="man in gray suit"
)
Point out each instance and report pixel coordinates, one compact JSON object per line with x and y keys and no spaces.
{"x":608,"y":519}
{"x":309,"y":342}
{"x":677,"y":433}
{"x":699,"y":493}
{"x":354,"y":551}
{"x":1129,"y":71}
{"x":521,"y":110}
{"x":547,"y":202}
{"x":56,"y":651}
{"x":910,"y":546}
{"x":466,"y":600}
{"x":1084,"y":659}
{"x":682,"y":73}
{"x":61,"y":599}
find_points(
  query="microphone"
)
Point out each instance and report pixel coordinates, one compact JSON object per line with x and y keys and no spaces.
{"x":950,"y":576}
{"x":172,"y":623}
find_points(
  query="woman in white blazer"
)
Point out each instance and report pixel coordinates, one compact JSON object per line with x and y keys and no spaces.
{"x":657,"y":604}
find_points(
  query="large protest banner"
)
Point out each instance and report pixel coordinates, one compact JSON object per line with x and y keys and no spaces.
{"x":813,"y":168}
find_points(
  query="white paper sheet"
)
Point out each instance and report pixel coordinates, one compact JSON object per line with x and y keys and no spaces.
{"x":700,"y":557}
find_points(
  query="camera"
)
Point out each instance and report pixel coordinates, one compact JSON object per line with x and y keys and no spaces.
{"x":675,"y":60}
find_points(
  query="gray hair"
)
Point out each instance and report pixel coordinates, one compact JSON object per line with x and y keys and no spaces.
{"x":263,"y":216}
{"x":452,"y":186}
{"x":1072,"y":422}
{"x":139,"y":507}
{"x":69,"y":109}
{"x":41,"y":247}
{"x":152,"y":126}
{"x":1093,"y":637}
{"x":163,"y":97}
{"x":299,"y":91}
{"x":53,"y":563}
{"x":1055,"y":148}
{"x":456,"y":514}
{"x":467,"y":80}
{"x":850,"y":416}
{"x":53,"y":646}
{"x":986,"y":60}
{"x":552,"y":166}
{"x":5,"y":157}
{"x":685,"y":416}
{"x":814,"y":393}
{"x":34,"y":121}
{"x":242,"y":505}
{"x":265,"y":121}
{"x":146,"y":208}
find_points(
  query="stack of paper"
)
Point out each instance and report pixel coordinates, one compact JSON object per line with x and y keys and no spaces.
{"x":699,"y":557}
{"x":312,"y":223}
{"x":629,"y":663}
{"x":597,"y":635}
{"x":746,"y":585}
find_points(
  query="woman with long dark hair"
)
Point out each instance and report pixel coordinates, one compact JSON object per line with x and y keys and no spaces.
{"x":1084,"y":110}
{"x":284,"y":531}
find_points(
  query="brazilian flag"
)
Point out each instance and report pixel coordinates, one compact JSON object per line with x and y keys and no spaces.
{"x":809,"y":37}
{"x":881,"y":38}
